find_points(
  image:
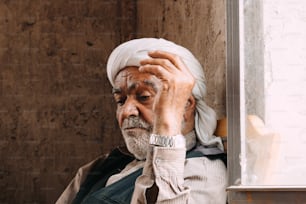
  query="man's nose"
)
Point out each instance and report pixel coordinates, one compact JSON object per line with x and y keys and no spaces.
{"x":130,"y":108}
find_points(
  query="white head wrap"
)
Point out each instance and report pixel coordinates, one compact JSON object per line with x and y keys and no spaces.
{"x":132,"y":52}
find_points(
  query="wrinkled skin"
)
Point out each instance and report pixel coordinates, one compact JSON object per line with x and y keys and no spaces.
{"x":155,"y":97}
{"x":176,"y":87}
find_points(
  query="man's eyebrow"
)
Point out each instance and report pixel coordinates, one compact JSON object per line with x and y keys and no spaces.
{"x":116,"y":91}
{"x":150,"y":83}
{"x":145,"y":82}
{"x":134,"y":85}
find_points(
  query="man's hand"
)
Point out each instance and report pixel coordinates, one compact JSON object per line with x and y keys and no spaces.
{"x":176,"y":87}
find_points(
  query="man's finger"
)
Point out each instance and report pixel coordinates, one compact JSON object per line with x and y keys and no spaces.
{"x":165,"y":63}
{"x":156,"y":70}
{"x":174,"y":59}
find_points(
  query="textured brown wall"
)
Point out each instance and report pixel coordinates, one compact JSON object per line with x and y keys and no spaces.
{"x":56,"y":110}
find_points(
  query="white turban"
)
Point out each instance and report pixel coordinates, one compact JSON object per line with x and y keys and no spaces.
{"x":132,"y":52}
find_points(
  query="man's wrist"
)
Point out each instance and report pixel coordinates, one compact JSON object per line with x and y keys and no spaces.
{"x":177,"y":141}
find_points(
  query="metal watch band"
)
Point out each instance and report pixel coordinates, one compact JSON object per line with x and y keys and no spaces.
{"x":167,"y":141}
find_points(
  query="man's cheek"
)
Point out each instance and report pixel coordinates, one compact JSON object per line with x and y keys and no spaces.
{"x":149,"y":118}
{"x":118,"y":117}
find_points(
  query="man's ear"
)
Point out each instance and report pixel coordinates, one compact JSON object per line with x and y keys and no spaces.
{"x":190,"y":107}
{"x":191,"y":103}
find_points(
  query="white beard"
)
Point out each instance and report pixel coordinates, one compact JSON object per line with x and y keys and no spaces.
{"x":137,"y":141}
{"x":138,"y":145}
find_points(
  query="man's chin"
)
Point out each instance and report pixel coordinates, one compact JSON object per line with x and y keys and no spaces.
{"x":137,"y":144}
{"x":139,"y":151}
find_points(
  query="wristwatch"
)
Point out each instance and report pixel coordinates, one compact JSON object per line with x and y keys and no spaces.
{"x":167,"y":141}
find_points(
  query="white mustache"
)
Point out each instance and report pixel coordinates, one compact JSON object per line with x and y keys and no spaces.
{"x":135,"y":122}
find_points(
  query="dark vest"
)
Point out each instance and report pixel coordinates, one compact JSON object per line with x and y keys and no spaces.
{"x":93,"y":190}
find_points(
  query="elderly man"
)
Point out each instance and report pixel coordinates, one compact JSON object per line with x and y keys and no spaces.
{"x":172,"y":155}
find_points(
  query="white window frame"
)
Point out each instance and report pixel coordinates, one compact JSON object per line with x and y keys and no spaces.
{"x":237,"y":193}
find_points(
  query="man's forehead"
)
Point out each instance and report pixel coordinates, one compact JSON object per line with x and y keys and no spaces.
{"x":133,"y":74}
{"x":126,"y":73}
{"x":131,"y":80}
{"x":135,"y":84}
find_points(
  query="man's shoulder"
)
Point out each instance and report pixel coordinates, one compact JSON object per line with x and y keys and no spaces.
{"x":117,"y":156}
{"x":211,"y":153}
